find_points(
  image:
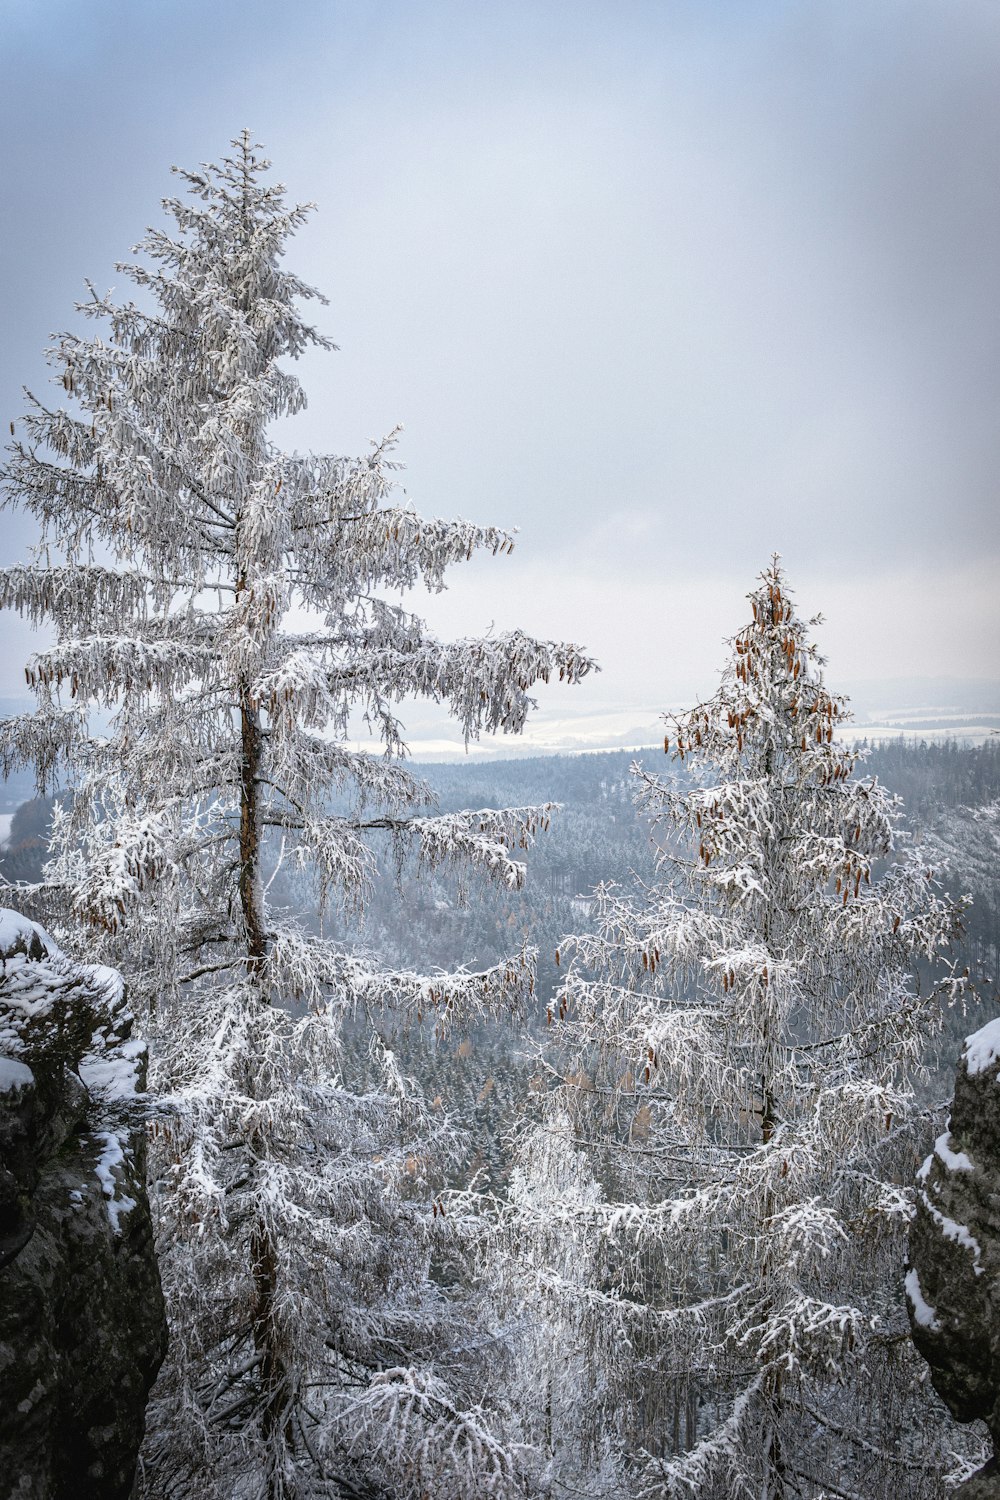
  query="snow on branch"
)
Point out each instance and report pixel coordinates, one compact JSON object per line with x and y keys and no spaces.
{"x":110,"y":667}
{"x":807,"y":1332}
{"x":89,"y":596}
{"x":440,"y":1445}
{"x":398,"y":544}
{"x":306,"y":761}
{"x":118,"y":875}
{"x":484,"y":682}
{"x":483,"y":839}
{"x":47,"y":740}
{"x":335,"y":849}
{"x":318,"y":972}
{"x":717,"y":1457}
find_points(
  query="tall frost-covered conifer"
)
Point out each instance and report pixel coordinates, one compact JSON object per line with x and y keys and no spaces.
{"x":312,"y":1352}
{"x":742,"y":1039}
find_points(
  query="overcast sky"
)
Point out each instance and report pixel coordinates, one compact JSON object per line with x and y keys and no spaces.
{"x":669,"y":286}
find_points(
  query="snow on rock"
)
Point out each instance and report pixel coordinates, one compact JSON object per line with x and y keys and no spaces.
{"x":118,"y":1075}
{"x":923,"y":1313}
{"x":953,"y":1282}
{"x":20,"y":935}
{"x":959,"y":1233}
{"x":982,"y":1048}
{"x":14,"y":1075}
{"x":110,"y":1168}
{"x":81,"y":1314}
{"x":955,"y":1161}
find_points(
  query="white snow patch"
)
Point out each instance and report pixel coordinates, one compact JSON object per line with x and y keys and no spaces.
{"x":109,"y":980}
{"x":111,"y":1157}
{"x":14,"y":1075}
{"x":955,"y":1161}
{"x":14,"y":928}
{"x":957,"y":1232}
{"x":116,"y":1074}
{"x":982,"y":1048}
{"x":925,"y":1315}
{"x":5,"y":821}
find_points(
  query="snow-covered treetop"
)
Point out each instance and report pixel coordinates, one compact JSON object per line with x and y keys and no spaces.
{"x":176,"y":537}
{"x":162,"y":460}
{"x":769,"y":972}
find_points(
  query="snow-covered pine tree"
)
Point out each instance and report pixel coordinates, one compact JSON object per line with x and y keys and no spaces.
{"x":742,"y":1039}
{"x":294,"y":1189}
{"x":532,"y":1246}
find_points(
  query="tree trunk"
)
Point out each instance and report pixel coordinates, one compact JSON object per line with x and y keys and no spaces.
{"x":263,"y":1257}
{"x":251,"y":892}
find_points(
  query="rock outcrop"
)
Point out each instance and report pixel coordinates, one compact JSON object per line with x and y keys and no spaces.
{"x":82,"y":1329}
{"x":953,"y":1282}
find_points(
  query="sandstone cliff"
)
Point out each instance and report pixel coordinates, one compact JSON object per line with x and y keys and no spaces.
{"x":953,"y":1283}
{"x":82,"y":1329}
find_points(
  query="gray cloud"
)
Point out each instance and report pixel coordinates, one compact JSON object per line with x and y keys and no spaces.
{"x":667,"y":285}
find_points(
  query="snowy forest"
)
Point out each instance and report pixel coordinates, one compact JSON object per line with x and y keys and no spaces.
{"x":530,"y":1128}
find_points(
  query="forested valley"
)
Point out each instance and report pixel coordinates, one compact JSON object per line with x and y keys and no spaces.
{"x":490,"y":1080}
{"x":949,"y":790}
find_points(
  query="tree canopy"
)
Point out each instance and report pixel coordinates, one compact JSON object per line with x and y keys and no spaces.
{"x":294,"y":1164}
